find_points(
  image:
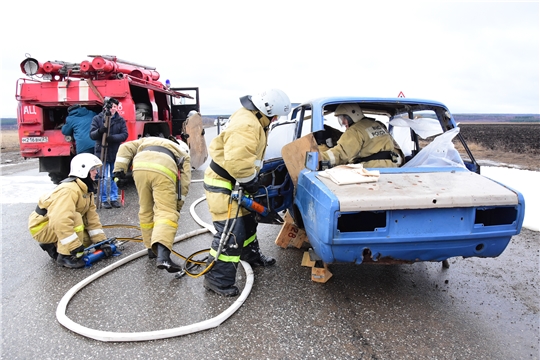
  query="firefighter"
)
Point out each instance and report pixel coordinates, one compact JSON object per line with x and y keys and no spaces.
{"x":65,"y":221}
{"x":365,"y":141}
{"x":162,"y":174}
{"x":237,"y":154}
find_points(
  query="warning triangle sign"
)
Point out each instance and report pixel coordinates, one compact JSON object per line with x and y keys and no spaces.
{"x":401,"y":94}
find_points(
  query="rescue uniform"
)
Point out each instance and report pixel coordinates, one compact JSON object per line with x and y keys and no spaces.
{"x":156,"y":174}
{"x":237,"y":154}
{"x":67,"y":217}
{"x":363,"y":139}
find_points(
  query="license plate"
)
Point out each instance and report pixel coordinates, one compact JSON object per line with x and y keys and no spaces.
{"x":40,"y":139}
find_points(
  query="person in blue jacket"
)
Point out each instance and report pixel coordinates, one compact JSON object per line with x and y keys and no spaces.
{"x":77,"y":126}
{"x":117,"y":134}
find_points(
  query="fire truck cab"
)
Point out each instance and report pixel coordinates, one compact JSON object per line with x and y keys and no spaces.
{"x":149,"y":107}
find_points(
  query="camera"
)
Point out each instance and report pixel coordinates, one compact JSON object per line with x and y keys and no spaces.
{"x":108,"y":102}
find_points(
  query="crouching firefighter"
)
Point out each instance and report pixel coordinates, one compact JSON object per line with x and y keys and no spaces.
{"x":162,"y":174}
{"x":237,"y":154}
{"x":65,"y":221}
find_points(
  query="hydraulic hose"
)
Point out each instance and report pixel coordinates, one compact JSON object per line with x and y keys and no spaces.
{"x":110,"y":336}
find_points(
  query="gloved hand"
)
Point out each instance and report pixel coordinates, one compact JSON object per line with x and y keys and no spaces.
{"x":122,"y":184}
{"x":110,"y":139}
{"x":102,"y":130}
{"x":78,"y":252}
{"x":119,"y":174}
{"x":251,"y":187}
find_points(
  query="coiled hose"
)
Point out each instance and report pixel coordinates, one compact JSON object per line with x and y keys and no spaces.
{"x":110,"y":336}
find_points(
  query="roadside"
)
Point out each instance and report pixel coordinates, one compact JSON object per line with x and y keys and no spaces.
{"x":503,"y":156}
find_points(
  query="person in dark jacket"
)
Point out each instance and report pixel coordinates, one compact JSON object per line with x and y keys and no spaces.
{"x":77,"y":126}
{"x":117,"y":134}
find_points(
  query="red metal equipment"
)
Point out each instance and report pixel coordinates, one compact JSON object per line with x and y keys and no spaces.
{"x":51,"y":87}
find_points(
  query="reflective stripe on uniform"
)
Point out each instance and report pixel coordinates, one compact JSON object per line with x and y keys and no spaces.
{"x":123,"y":160}
{"x":146,"y":226}
{"x":218,"y":183}
{"x":225,"y":258}
{"x":250,"y":240}
{"x":331,"y":157}
{"x":146,"y":165}
{"x":37,"y":228}
{"x":246,"y":179}
{"x":95,"y":232}
{"x":69,"y":239}
{"x":166,"y":222}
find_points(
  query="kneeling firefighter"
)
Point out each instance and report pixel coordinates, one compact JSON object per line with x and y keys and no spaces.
{"x":162,"y":174}
{"x":65,"y":221}
{"x":237,"y":155}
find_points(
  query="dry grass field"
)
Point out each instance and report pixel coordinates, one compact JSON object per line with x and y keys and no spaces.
{"x":9,"y":140}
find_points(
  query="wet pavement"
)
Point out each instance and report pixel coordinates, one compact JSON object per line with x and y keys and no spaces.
{"x":478,"y":308}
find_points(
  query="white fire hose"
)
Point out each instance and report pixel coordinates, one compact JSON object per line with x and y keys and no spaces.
{"x":110,"y":336}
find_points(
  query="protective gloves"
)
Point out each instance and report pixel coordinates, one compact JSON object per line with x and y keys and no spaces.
{"x":110,"y":139}
{"x":102,"y":130}
{"x":252,"y":186}
{"x":120,"y":179}
{"x":119,"y":174}
{"x":122,"y":184}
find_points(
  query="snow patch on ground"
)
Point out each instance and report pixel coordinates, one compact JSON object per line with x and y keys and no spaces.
{"x":524,"y":181}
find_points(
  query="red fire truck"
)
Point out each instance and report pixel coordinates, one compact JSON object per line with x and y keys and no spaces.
{"x":149,"y":107}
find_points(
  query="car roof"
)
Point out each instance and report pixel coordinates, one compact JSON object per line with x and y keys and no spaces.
{"x":398,"y":104}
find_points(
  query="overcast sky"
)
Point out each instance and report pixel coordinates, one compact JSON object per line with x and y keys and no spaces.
{"x":480,"y":57}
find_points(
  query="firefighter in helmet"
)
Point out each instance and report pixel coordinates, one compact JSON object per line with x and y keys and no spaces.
{"x":237,"y":154}
{"x":65,"y":221}
{"x":365,"y":141}
{"x":162,"y":174}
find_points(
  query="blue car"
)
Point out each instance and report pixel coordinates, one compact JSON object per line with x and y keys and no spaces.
{"x":433,"y":207}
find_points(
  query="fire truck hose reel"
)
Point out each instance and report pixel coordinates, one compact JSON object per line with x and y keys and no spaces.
{"x":110,"y":336}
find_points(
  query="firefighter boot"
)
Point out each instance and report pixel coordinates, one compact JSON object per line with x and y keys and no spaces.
{"x":70,"y":261}
{"x":227,"y":292}
{"x":255,"y":257}
{"x":50,"y":249}
{"x":263,"y":260}
{"x":151,"y":254}
{"x":164,"y":259}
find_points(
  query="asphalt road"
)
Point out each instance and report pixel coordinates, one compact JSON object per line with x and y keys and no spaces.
{"x":476,"y":309}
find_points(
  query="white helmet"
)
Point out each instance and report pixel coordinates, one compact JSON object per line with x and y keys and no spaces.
{"x":270,"y":102}
{"x":81,"y":165}
{"x":353,"y":111}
